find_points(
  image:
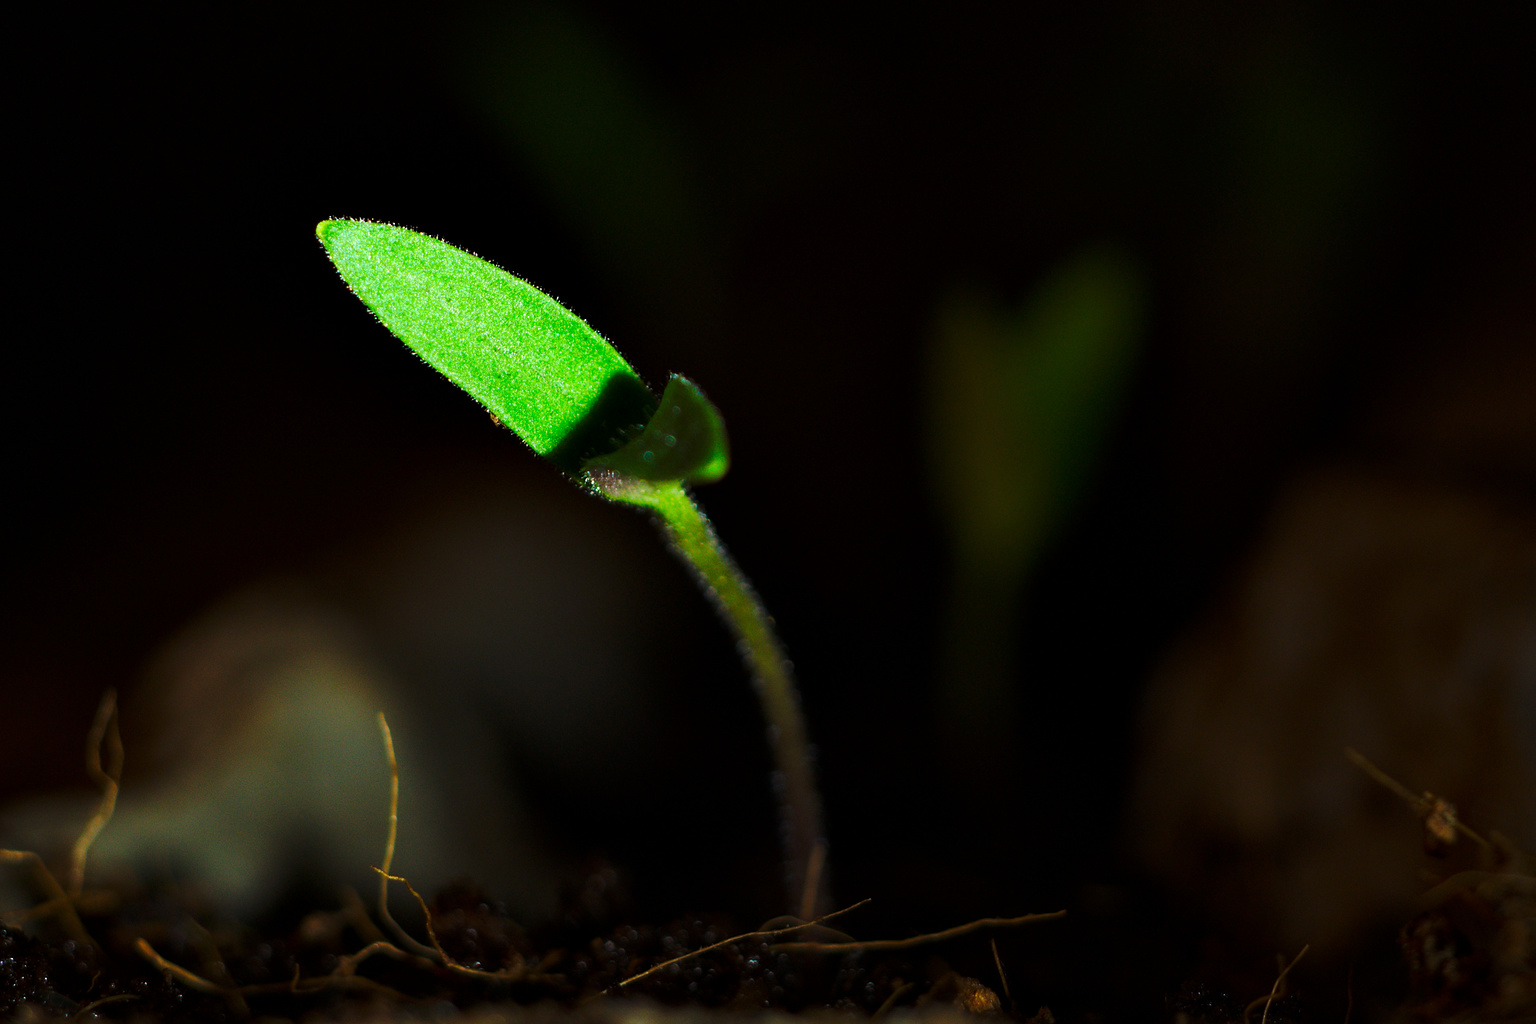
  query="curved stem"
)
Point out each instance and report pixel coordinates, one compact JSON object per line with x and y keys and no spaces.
{"x":794,"y":779}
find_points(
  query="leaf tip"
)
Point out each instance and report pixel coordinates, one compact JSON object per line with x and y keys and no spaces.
{"x":327,"y":229}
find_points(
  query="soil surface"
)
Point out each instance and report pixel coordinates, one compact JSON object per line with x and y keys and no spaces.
{"x":150,"y":953}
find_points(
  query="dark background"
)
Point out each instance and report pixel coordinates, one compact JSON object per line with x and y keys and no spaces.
{"x":774,"y":201}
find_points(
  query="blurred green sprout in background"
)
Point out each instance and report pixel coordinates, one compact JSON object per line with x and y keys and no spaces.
{"x":1020,"y":405}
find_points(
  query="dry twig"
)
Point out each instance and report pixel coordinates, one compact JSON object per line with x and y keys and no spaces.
{"x":1001,"y":974}
{"x":514,"y":973}
{"x":1275,"y":990}
{"x":916,"y":940}
{"x":738,"y":938}
{"x":59,"y":901}
{"x":389,"y":851}
{"x":1439,"y":815}
{"x":342,"y":977}
{"x":63,"y":899}
{"x":103,"y":730}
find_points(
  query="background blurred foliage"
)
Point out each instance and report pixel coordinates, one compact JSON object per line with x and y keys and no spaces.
{"x":1019,"y":406}
{"x":778,"y":201}
{"x":614,"y":160}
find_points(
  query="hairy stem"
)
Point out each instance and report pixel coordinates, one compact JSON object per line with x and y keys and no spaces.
{"x":794,"y":780}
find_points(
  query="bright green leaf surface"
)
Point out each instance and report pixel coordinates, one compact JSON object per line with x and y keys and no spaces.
{"x":534,"y":364}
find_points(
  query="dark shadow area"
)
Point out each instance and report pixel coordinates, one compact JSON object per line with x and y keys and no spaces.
{"x":621,"y":411}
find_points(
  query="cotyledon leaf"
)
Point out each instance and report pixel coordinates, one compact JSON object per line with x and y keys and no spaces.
{"x":684,"y":441}
{"x":538,"y":368}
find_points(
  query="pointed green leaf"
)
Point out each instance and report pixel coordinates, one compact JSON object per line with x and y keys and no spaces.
{"x":535,"y":365}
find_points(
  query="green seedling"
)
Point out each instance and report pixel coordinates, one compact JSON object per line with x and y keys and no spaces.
{"x":557,"y":384}
{"x":1020,"y":402}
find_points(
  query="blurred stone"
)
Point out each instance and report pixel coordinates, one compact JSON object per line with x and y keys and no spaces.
{"x":1389,"y":605}
{"x":499,"y":627}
